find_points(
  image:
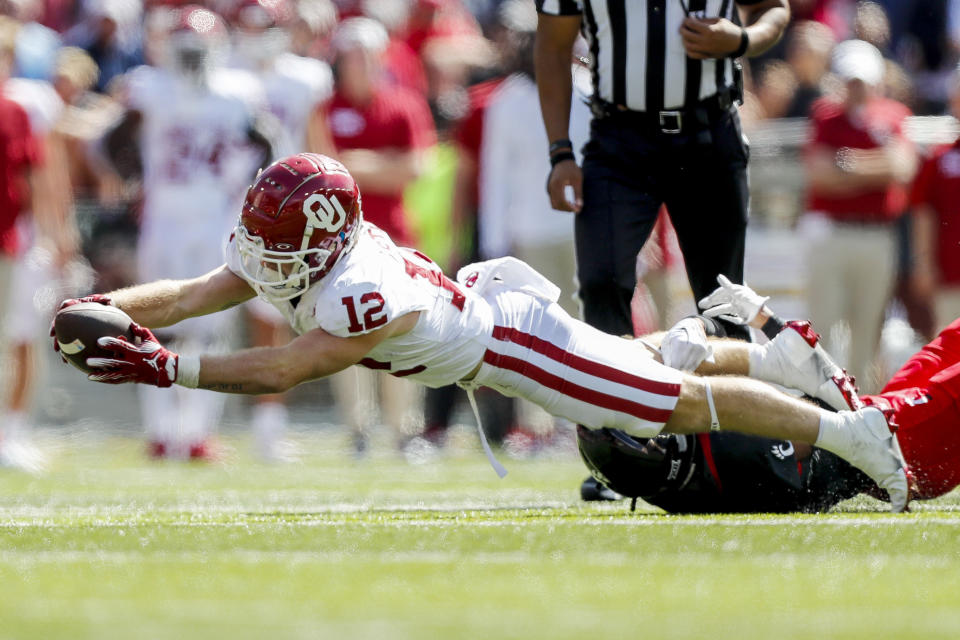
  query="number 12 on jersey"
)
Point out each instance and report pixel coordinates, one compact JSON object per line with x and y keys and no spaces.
{"x":373,"y":314}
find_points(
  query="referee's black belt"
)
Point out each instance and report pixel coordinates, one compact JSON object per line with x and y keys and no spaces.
{"x":669,"y":121}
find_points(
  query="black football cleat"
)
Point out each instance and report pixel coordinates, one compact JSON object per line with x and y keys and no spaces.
{"x":592,"y":490}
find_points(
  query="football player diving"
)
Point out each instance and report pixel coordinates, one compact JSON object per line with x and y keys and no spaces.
{"x":354,"y":297}
{"x":730,"y":472}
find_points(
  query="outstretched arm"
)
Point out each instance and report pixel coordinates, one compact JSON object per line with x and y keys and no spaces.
{"x":313,"y":355}
{"x":166,"y":302}
{"x":251,"y":371}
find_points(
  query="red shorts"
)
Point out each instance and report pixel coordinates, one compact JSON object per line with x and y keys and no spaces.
{"x":925,"y":397}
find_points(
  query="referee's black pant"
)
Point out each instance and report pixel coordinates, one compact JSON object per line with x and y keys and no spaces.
{"x":630,"y":168}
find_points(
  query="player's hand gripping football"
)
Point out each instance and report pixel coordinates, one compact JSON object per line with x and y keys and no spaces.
{"x":97,"y":297}
{"x":147,"y":362}
{"x":685,"y":345}
{"x":736,"y":303}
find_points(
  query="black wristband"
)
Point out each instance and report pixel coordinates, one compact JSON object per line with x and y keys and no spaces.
{"x":744,"y":44}
{"x":772,"y":327}
{"x":560,"y":145}
{"x":711,"y":326}
{"x":561,"y":156}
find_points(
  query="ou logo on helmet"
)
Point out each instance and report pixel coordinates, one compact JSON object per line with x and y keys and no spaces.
{"x":324,"y":213}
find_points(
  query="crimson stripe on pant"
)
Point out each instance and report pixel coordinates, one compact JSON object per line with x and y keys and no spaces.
{"x":578,"y":392}
{"x":590,"y":367}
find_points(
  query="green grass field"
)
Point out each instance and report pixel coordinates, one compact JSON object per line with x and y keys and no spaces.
{"x":107,"y":545}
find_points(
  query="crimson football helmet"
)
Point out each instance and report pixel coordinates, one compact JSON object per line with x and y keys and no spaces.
{"x":300,"y":216}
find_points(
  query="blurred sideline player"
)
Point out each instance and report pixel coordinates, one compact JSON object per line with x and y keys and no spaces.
{"x":380,"y":132}
{"x":49,"y":267}
{"x":729,"y":472}
{"x":354,"y":297}
{"x":199,"y":144}
{"x":935,"y":202}
{"x":21,"y":156}
{"x":294,"y":88}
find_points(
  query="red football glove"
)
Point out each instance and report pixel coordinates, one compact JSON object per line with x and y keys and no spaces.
{"x":97,"y":297}
{"x":147,"y":363}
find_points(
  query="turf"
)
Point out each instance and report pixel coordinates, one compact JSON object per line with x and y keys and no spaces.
{"x":106,"y":545}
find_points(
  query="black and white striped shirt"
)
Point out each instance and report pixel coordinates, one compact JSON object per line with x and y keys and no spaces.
{"x":636,"y":55}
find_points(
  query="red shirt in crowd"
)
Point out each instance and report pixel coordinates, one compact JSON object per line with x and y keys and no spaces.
{"x":404,"y":67}
{"x":19,"y":152}
{"x":881,"y":120}
{"x":938,"y":186}
{"x":469,"y":131}
{"x":438,"y":19}
{"x":395,"y":119}
{"x":923,"y":398}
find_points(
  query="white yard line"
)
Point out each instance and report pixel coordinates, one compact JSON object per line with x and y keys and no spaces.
{"x":607,"y":558}
{"x":472,"y":519}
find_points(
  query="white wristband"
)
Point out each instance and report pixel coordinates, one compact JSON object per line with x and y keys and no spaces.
{"x":188,"y":371}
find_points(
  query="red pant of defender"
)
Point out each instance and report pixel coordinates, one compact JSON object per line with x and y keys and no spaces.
{"x":925,"y":397}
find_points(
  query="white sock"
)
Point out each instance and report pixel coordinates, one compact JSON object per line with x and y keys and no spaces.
{"x":759,"y":361}
{"x":833,"y":435}
{"x":269,"y":424}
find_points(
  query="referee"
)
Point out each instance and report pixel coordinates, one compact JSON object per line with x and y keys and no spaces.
{"x":665,"y":129}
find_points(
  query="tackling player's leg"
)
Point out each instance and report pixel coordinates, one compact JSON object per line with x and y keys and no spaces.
{"x":863,"y":438}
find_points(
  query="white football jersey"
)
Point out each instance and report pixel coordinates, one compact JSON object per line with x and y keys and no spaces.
{"x":377,"y":282}
{"x":294,"y":88}
{"x":290,"y":88}
{"x":197,"y":158}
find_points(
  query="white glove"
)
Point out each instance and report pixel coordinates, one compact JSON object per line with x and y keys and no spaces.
{"x":685,"y":345}
{"x":736,"y":303}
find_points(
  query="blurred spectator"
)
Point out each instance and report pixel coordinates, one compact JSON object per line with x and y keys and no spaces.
{"x":776,"y":89}
{"x":380,"y":132}
{"x":313,"y":22}
{"x":936,"y":226}
{"x":21,"y":156}
{"x":111,"y":33}
{"x":515,"y":217}
{"x":37,"y":44}
{"x":199,"y":149}
{"x":438,"y":19}
{"x":47,"y":269}
{"x":808,"y":54}
{"x":925,"y":51}
{"x":402,"y":65}
{"x":870,"y":24}
{"x":293,"y":86}
{"x":858,"y":163}
{"x":449,"y":63}
{"x":837,"y":15}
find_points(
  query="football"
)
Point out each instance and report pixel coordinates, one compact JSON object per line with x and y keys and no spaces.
{"x":78,"y":327}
